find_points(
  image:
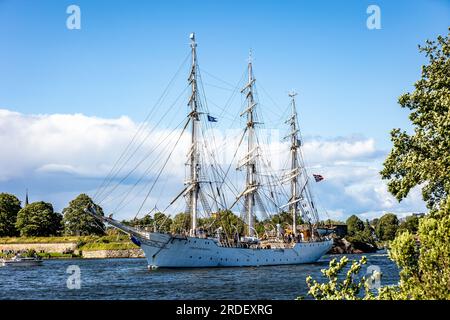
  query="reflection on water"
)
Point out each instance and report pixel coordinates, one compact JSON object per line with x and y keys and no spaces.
{"x":130,"y":279}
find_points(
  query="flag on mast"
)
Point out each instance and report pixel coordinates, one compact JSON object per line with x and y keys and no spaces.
{"x":212,"y":119}
{"x":318,"y":177}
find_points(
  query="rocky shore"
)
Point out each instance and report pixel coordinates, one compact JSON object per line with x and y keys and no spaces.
{"x":342,"y":246}
{"x":105,"y":254}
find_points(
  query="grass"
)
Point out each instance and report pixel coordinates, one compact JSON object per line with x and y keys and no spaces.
{"x":83,"y":243}
{"x":108,"y":246}
{"x":20,"y":240}
{"x":57,"y":255}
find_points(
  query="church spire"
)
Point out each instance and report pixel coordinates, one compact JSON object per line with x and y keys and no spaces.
{"x":26,"y":198}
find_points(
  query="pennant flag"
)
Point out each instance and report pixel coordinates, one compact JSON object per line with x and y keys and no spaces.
{"x":212,"y":119}
{"x":317,"y":177}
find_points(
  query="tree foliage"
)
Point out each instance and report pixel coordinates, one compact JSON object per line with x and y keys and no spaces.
{"x":225,"y":220}
{"x":351,"y":287}
{"x":181,"y":223}
{"x":145,"y":222}
{"x":77,"y":222}
{"x":354,"y":225}
{"x":38,"y":220}
{"x":423,"y":261}
{"x":9,"y":207}
{"x":411,"y":224}
{"x":162,"y":222}
{"x":367,"y":235}
{"x":423,"y":158}
{"x":387,"y":227}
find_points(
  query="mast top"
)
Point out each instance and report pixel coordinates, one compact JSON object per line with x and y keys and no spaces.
{"x":292,"y":94}
{"x":192,"y":37}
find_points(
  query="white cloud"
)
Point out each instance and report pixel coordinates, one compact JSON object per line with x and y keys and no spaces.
{"x":60,"y":155}
{"x":339,"y":150}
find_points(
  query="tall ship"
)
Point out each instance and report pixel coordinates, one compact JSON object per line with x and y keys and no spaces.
{"x":228,"y":223}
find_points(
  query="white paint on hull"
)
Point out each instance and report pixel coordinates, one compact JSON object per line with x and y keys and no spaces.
{"x":162,"y":250}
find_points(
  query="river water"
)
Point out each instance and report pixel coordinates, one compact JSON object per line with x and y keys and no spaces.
{"x":130,"y":279}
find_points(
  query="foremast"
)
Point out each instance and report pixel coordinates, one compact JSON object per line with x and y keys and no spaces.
{"x":194,"y":165}
{"x":251,"y":185}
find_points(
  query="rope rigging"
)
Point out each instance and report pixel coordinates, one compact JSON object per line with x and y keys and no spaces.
{"x":207,"y":179}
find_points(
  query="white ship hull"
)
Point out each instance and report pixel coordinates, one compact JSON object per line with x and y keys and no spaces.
{"x":163,"y":250}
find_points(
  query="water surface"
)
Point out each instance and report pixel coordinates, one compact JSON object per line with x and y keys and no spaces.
{"x":130,"y":279}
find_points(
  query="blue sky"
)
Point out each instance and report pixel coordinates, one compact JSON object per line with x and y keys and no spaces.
{"x":348,"y":77}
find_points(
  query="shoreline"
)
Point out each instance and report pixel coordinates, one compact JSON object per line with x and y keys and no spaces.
{"x":84,"y":247}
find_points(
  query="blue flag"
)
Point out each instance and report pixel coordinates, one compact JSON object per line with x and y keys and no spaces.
{"x":212,"y":119}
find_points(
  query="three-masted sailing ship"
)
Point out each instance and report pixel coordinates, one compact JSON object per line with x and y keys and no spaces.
{"x":198,"y":247}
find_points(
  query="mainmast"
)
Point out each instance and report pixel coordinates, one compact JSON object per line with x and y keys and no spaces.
{"x":250,"y":159}
{"x":294,"y":163}
{"x":193,"y":152}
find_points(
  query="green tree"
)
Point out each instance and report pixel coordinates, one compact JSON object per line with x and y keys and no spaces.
{"x":354,"y":225}
{"x":368,"y":234}
{"x":77,"y":222}
{"x":162,"y":222}
{"x":374,"y":222}
{"x":362,"y":239}
{"x":9,"y":207}
{"x":423,"y":261}
{"x":38,"y":220}
{"x":229,"y":223}
{"x":283,"y":218}
{"x":332,"y":222}
{"x":350,"y":287}
{"x":145,"y":222}
{"x":181,"y":223}
{"x":423,"y":158}
{"x":411,"y":224}
{"x":387,"y":227}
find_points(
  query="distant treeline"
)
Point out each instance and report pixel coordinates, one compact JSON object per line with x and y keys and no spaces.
{"x":38,"y":219}
{"x":384,"y":228}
